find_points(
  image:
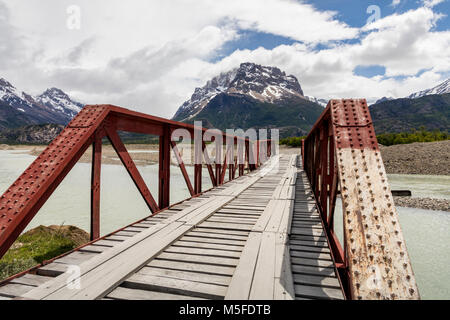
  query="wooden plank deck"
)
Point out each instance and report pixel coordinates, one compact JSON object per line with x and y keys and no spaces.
{"x":256,"y":237}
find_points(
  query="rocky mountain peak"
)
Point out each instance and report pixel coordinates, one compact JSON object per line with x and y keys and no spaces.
{"x":52,"y":106}
{"x":4,"y":83}
{"x":54,"y":92}
{"x":263,"y":83}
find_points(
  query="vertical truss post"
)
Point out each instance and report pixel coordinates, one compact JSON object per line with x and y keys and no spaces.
{"x":303,"y":153}
{"x":95,"y":186}
{"x":324,"y":170}
{"x":164,"y":168}
{"x":257,"y":153}
{"x":208,"y":165}
{"x":197,"y":178}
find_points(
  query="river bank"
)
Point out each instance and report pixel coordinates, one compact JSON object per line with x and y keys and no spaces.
{"x":427,"y":158}
{"x":423,"y":203}
{"x":40,"y":244}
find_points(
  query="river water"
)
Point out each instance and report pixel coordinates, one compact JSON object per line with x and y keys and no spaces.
{"x":427,"y":232}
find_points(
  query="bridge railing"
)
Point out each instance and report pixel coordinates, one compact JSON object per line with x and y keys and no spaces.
{"x":23,"y":199}
{"x":341,"y":153}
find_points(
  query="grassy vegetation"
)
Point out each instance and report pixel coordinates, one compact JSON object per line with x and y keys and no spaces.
{"x":389,"y":139}
{"x":292,"y":141}
{"x":38,"y":245}
{"x":422,"y":135}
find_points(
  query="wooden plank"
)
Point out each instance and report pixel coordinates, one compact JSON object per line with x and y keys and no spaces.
{"x":220,"y":261}
{"x":207,"y":238}
{"x":318,"y":292}
{"x":316,"y":280}
{"x":248,"y":217}
{"x":31,"y":279}
{"x":175,"y":286}
{"x":52,"y":269}
{"x":263,"y":220}
{"x":307,"y":231}
{"x":186,"y":275}
{"x":13,"y":290}
{"x":60,"y":282}
{"x":262,"y":285}
{"x":314,"y":270}
{"x":283,"y":281}
{"x":309,"y":243}
{"x":114,"y":273}
{"x":240,"y":285}
{"x":310,"y":248}
{"x":228,"y":226}
{"x":108,"y":275}
{"x":310,"y":255}
{"x":203,"y":251}
{"x":214,"y":218}
{"x":105,"y":243}
{"x":222,"y":233}
{"x":94,"y":248}
{"x":191,"y":244}
{"x":121,"y":293}
{"x":191,"y":266}
{"x":299,"y":237}
{"x":312,"y":262}
{"x":76,"y":257}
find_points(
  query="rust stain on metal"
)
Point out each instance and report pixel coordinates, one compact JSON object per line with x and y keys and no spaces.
{"x":378,"y":262}
{"x":20,"y":203}
{"x":374,"y":263}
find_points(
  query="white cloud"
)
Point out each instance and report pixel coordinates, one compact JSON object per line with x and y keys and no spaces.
{"x":432,"y":3}
{"x":395,"y":3}
{"x":150,"y":56}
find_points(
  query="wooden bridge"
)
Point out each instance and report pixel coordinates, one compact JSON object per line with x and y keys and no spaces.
{"x":265,"y":234}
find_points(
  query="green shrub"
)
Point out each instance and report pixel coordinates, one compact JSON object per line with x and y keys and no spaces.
{"x":421,"y":135}
{"x":292,"y":141}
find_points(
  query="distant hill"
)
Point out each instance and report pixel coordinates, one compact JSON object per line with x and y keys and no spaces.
{"x":32,"y":134}
{"x":400,"y":115}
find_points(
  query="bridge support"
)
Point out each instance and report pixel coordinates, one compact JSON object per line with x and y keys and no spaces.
{"x":164,"y":168}
{"x":95,"y":186}
{"x":342,"y":150}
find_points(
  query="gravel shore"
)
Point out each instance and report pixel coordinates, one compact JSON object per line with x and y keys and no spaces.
{"x":423,"y":203}
{"x":431,"y":158}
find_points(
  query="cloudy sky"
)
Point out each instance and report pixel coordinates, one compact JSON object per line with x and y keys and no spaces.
{"x":149,"y":55}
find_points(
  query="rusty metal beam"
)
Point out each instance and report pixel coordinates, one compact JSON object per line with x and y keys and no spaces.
{"x":375,"y":260}
{"x":164,"y":168}
{"x":23,"y":199}
{"x":95,"y":185}
{"x":133,"y":171}
{"x":182,"y":168}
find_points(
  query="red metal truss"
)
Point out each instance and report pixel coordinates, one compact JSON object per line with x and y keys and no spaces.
{"x":341,"y":151}
{"x":23,"y":199}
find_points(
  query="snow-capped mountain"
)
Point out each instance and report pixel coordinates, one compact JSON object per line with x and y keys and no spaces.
{"x":322,"y":102}
{"x":252,"y":96}
{"x":53,"y":106}
{"x":263,"y":83}
{"x":443,"y":88}
{"x":59,"y":101}
{"x":383,"y":99}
